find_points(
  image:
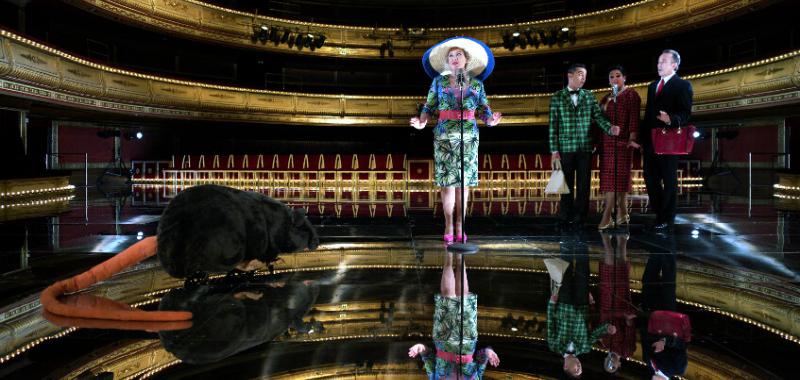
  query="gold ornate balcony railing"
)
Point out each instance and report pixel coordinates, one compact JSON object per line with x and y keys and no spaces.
{"x":35,"y":71}
{"x":632,"y":22}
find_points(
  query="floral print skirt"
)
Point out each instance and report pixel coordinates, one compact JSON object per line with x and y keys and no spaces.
{"x":447,"y":323}
{"x":447,"y":154}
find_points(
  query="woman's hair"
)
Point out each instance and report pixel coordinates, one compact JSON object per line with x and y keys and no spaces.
{"x":466,"y":55}
{"x":620,"y":68}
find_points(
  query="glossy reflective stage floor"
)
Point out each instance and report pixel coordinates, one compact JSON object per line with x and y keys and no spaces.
{"x":353,"y":307}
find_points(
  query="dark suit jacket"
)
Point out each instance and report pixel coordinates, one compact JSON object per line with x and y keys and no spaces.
{"x":675,"y":99}
{"x":672,"y":361}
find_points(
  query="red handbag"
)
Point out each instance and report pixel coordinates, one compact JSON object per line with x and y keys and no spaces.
{"x":664,"y":322}
{"x":673,"y":140}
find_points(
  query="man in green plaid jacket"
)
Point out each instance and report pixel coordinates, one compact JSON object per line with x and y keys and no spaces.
{"x":567,"y":311}
{"x":572,"y":111}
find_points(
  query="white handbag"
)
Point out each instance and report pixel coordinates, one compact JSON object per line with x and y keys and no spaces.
{"x":555,"y":268}
{"x":556,"y":184}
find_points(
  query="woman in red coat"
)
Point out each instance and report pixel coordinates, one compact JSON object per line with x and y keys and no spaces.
{"x":622,"y":108}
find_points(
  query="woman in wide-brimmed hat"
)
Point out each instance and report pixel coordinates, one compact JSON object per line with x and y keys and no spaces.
{"x":443,"y":62}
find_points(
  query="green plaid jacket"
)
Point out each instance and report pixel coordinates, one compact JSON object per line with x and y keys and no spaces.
{"x":569,"y":125}
{"x":567,"y":323}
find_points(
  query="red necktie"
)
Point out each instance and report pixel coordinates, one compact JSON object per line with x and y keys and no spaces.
{"x":660,"y":87}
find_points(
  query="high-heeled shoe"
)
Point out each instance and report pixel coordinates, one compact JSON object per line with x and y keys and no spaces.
{"x":606,"y":226}
{"x":458,"y":238}
{"x":624,"y":219}
{"x":448,"y":238}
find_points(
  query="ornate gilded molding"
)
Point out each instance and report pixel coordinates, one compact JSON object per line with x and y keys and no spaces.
{"x":632,"y":22}
{"x":32,"y":70}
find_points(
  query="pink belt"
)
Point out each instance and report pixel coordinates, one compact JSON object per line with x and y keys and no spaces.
{"x":456,"y":115}
{"x":453,"y":358}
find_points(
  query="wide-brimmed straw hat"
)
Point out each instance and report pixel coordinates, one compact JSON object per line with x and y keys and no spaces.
{"x":479,"y":66}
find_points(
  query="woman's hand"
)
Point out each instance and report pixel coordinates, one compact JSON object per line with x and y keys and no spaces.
{"x":496,"y":117}
{"x":418,"y":123}
{"x":633,"y":145}
{"x":658,"y":346}
{"x":494,"y":360}
{"x":416,"y":350}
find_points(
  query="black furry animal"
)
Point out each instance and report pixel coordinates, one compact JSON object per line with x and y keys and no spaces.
{"x":210,"y":228}
{"x":230,"y":319}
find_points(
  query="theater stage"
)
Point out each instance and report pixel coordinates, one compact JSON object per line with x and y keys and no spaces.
{"x":353,"y":307}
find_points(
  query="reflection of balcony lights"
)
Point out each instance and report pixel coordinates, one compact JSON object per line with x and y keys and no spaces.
{"x":25,"y":193}
{"x":37,"y":203}
{"x":778,"y":186}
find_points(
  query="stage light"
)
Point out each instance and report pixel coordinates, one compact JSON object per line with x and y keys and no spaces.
{"x":695,"y":234}
{"x":507,"y":41}
{"x":298,"y":42}
{"x":515,"y":34}
{"x":139,"y":135}
{"x":285,"y":36}
{"x":140,"y":235}
{"x":254,"y":37}
{"x":308,"y":39}
{"x":319,"y":40}
{"x":274,"y":37}
{"x":696,"y":134}
{"x":263,"y":34}
{"x":521,"y":41}
{"x":390,"y":48}
{"x":565,"y":29}
{"x":290,"y":41}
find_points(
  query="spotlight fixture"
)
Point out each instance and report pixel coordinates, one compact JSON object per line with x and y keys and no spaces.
{"x":319,"y":40}
{"x":290,"y":41}
{"x":298,"y":42}
{"x":390,"y":48}
{"x":515,"y":34}
{"x":139,"y":135}
{"x":696,"y":134}
{"x":507,"y":41}
{"x":521,"y":41}
{"x":530,"y":37}
{"x":565,"y":29}
{"x":285,"y":36}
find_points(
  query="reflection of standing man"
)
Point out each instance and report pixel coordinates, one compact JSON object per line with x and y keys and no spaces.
{"x":669,"y":105}
{"x":568,"y":331}
{"x":665,"y":354}
{"x":572,"y":111}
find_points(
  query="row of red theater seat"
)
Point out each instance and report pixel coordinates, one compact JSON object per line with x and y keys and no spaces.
{"x":342,"y":162}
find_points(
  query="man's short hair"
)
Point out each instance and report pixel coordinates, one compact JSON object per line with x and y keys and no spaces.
{"x":676,"y":57}
{"x":575,"y":66}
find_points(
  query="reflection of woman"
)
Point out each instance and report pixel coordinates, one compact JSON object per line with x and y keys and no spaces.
{"x":446,"y":59}
{"x":615,"y":161}
{"x":450,"y":350}
{"x":615,"y":302}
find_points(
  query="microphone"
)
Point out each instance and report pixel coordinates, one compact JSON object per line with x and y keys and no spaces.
{"x":614,"y":91}
{"x":461,"y":76}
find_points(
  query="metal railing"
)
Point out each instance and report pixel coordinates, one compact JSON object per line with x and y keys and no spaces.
{"x":787,"y":165}
{"x":51,"y":160}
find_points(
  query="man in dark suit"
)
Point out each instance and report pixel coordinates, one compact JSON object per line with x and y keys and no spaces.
{"x":669,"y":105}
{"x":665,"y":354}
